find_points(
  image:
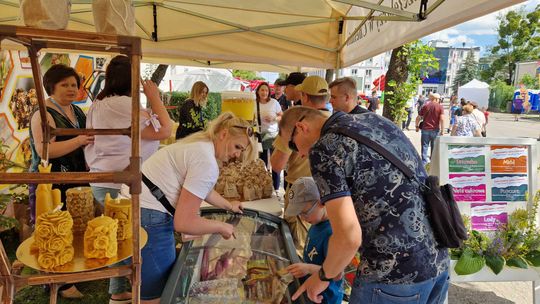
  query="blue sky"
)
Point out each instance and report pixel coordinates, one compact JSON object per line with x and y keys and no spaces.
{"x":480,"y":32}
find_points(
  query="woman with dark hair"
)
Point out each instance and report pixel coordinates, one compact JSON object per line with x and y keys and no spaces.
{"x":269,"y":112}
{"x":112,"y":110}
{"x":190,"y":115}
{"x":65,"y":153}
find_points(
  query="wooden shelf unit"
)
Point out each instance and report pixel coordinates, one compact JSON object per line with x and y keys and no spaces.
{"x":35,"y":40}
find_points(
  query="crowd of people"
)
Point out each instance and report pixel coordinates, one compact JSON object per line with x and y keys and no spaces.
{"x":341,"y":196}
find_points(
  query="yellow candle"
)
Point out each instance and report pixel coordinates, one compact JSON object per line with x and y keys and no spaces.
{"x":44,"y":202}
{"x":120,"y":209}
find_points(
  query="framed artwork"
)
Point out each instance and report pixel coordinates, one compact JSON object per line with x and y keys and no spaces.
{"x":7,"y":137}
{"x":6,"y":68}
{"x":23,"y":101}
{"x":50,"y":59}
{"x":24,"y":60}
{"x":84,"y":67}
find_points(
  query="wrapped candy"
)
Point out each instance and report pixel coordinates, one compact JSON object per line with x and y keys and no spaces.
{"x":100,"y":238}
{"x":248,"y":182}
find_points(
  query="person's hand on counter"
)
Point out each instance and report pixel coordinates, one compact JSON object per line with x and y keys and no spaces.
{"x":300,"y":270}
{"x":237,"y":207}
{"x":227,"y":231}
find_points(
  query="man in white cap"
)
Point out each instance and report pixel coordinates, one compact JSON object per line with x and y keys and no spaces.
{"x":431,"y":121}
{"x":314,"y":93}
{"x":304,"y":201}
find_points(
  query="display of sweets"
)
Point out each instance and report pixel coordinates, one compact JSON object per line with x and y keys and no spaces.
{"x":80,"y":204}
{"x":120,"y":209}
{"x":100,"y":238}
{"x":53,"y":239}
{"x":245,"y":182}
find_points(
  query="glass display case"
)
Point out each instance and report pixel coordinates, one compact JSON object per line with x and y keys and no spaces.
{"x":250,"y":267}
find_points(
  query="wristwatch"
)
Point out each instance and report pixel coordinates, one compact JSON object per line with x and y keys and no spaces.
{"x":322,"y":276}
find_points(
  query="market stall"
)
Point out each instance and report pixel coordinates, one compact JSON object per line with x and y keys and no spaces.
{"x":35,"y":40}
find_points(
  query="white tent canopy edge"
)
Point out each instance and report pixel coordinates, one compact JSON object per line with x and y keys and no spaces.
{"x":277,"y":36}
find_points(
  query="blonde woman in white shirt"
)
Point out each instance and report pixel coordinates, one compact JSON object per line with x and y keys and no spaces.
{"x":186,"y":173}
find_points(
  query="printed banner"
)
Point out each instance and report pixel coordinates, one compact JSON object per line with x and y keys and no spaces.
{"x":509,"y":187}
{"x":466,"y":158}
{"x":508,"y":159}
{"x":469,"y":187}
{"x":488,"y":216}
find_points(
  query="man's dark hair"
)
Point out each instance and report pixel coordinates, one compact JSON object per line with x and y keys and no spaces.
{"x":117,"y":78}
{"x":57,"y":73}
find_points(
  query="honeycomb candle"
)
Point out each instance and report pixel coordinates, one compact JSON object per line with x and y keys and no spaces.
{"x":100,"y":238}
{"x":80,"y":204}
{"x":120,"y":209}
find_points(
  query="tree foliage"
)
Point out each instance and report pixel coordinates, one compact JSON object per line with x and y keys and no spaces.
{"x":246,"y":75}
{"x":519,"y":40}
{"x":409,"y":63}
{"x":466,"y":73}
{"x":530,"y":82}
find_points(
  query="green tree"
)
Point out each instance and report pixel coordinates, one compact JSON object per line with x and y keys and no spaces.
{"x":519,"y":40}
{"x":530,"y":82}
{"x":409,"y":63}
{"x":466,"y":73}
{"x":246,"y":75}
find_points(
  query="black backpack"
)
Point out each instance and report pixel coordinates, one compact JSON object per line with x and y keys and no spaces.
{"x":443,"y":211}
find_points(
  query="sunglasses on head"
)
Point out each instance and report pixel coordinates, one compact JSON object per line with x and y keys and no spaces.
{"x":249,"y":130}
{"x":292,"y":145}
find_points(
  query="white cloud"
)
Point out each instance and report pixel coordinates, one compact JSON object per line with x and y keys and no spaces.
{"x":485,"y":25}
{"x":453,"y":37}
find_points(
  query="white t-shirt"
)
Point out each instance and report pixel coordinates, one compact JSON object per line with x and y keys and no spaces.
{"x":270,"y":110}
{"x":112,"y":152}
{"x":192,"y":166}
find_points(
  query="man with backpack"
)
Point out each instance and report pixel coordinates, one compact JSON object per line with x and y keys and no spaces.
{"x":372,"y":205}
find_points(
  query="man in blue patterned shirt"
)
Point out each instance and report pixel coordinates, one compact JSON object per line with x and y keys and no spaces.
{"x":372,"y":207}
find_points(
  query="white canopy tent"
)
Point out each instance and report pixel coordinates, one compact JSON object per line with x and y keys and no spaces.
{"x":278,"y":35}
{"x":475,"y":90}
{"x":217,"y":80}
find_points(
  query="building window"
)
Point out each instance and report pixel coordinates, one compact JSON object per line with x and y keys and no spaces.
{"x":368,"y":72}
{"x":367,"y":87}
{"x":354,"y":71}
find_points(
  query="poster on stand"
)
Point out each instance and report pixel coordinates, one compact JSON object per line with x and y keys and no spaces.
{"x":509,"y":187}
{"x":508,"y":159}
{"x":468,"y":158}
{"x":469,"y":187}
{"x":488,"y":216}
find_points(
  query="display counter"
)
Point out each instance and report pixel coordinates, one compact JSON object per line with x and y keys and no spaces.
{"x":247,"y":268}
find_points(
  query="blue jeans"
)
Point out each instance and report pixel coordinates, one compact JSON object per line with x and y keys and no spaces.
{"x":428,"y":141}
{"x":432,"y":291}
{"x":158,"y":254}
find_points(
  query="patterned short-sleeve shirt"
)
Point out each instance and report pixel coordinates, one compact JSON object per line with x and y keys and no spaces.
{"x":398,"y":246}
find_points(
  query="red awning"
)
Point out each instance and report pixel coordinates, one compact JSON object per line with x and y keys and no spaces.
{"x":380,"y":82}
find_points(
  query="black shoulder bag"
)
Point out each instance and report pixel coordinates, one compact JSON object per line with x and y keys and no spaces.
{"x":443,"y":211}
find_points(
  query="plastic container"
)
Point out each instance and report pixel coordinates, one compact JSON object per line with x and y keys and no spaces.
{"x":241,"y":104}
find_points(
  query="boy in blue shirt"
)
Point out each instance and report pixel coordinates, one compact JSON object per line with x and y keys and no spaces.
{"x":304,"y":200}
